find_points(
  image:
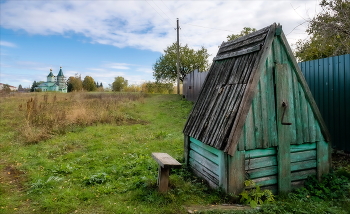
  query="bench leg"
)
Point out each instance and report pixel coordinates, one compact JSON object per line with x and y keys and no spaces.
{"x":163,"y":179}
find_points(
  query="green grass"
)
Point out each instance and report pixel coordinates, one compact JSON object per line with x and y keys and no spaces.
{"x":104,"y":167}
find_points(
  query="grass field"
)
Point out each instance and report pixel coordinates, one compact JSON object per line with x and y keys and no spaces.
{"x":91,"y":153}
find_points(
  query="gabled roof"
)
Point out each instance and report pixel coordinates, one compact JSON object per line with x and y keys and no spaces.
{"x":219,"y":114}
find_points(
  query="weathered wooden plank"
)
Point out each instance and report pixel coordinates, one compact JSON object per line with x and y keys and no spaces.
{"x":165,"y":160}
{"x":236,"y":173}
{"x":312,"y":124}
{"x":213,"y":184}
{"x":205,"y":162}
{"x":271,"y":109}
{"x":238,"y":53}
{"x":304,"y":115}
{"x":302,"y":156}
{"x":243,"y":38}
{"x":257,"y":153}
{"x":249,"y":93}
{"x":205,"y":153}
{"x":300,"y":175}
{"x":302,"y":147}
{"x":186,"y":149}
{"x":304,"y":84}
{"x":204,"y":170}
{"x":290,"y":100}
{"x":262,"y":172}
{"x":302,"y":165}
{"x":241,"y":143}
{"x":223,"y":171}
{"x":250,"y":135}
{"x":260,"y":162}
{"x":323,"y":158}
{"x":270,"y":180}
{"x":248,"y":42}
{"x":297,"y":113}
{"x":264,"y":112}
{"x":206,"y":147}
{"x":257,"y":122}
{"x":284,"y":131}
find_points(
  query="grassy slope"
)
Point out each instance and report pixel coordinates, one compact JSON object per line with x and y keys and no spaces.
{"x":102,"y":168}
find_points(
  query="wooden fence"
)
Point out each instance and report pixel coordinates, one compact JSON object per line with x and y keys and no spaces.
{"x":192,"y":84}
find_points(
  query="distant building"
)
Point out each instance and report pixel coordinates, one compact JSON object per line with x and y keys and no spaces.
{"x":13,"y":88}
{"x":54,"y":83}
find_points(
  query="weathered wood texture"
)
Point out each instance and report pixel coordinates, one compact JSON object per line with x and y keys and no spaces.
{"x":165,"y":162}
{"x":209,"y":163}
{"x":213,"y":115}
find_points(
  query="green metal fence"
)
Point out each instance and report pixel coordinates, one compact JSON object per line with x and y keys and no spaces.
{"x":329,"y":82}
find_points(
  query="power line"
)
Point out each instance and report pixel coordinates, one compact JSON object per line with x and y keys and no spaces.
{"x":158,"y":13}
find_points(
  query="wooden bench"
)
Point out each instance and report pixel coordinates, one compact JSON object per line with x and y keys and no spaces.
{"x":165,"y":162}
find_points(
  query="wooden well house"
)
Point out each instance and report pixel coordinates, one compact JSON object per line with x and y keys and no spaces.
{"x":256,"y":119}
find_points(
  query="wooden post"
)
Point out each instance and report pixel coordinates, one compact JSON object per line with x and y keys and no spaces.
{"x":236,"y":172}
{"x":163,"y":178}
{"x":186,"y":149}
{"x":284,"y":131}
{"x":322,"y":159}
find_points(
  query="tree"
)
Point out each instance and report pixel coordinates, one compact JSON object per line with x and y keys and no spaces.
{"x":6,"y":88}
{"x":34,"y":85}
{"x":89,"y":84}
{"x":74,"y":84}
{"x":165,"y":67}
{"x":119,"y":83}
{"x":20,"y":88}
{"x":329,"y":32}
{"x":245,"y":31}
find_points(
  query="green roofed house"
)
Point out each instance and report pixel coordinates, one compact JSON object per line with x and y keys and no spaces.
{"x":255,"y":118}
{"x":54,"y":83}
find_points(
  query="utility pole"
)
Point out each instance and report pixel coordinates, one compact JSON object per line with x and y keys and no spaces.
{"x":178,"y":58}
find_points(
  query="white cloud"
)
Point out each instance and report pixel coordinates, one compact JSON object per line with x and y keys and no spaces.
{"x":150,"y":24}
{"x":119,"y":66}
{"x":8,"y":44}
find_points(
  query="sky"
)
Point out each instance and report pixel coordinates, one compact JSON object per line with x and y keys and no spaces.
{"x":109,"y":38}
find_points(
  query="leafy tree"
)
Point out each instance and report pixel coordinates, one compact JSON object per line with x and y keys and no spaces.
{"x":119,"y":83}
{"x":245,"y":31}
{"x":74,"y":84}
{"x":101,"y":86}
{"x":329,"y":32}
{"x":165,"y":70}
{"x":89,"y":84}
{"x":6,"y":88}
{"x":20,"y":88}
{"x":34,"y":85}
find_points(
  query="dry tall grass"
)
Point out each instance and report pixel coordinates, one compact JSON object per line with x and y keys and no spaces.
{"x":39,"y":116}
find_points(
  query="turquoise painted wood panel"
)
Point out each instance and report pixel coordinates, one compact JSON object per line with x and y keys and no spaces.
{"x":205,"y":162}
{"x":256,"y":163}
{"x":209,"y":162}
{"x":262,"y":172}
{"x":209,"y":148}
{"x":266,"y":180}
{"x":302,"y":165}
{"x":302,"y":156}
{"x":205,"y":172}
{"x":257,"y":153}
{"x":302,"y":147}
{"x":302,"y":175}
{"x":209,"y":155}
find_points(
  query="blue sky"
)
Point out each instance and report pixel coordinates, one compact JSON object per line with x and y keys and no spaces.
{"x":105,"y":39}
